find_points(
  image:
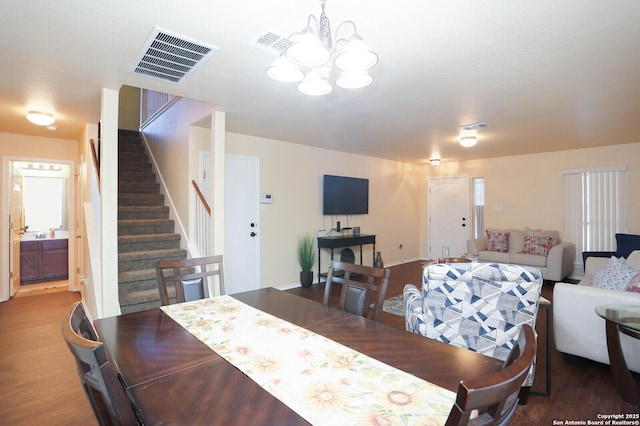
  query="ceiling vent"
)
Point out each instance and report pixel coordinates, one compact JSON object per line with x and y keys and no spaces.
{"x":475,"y":126}
{"x":271,"y":42}
{"x":170,"y":57}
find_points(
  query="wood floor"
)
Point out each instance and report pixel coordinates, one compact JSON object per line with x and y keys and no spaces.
{"x":39,"y":384}
{"x":579,"y":391}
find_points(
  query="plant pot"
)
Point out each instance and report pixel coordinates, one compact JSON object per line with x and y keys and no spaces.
{"x":306,"y":278}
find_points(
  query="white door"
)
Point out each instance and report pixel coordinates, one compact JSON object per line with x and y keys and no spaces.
{"x":241,"y":225}
{"x":449,"y":224}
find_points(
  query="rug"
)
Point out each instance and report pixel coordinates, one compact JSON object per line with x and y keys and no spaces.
{"x":394,"y":305}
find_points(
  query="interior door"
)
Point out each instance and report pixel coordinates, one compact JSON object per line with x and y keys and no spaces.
{"x":241,"y":224}
{"x":15,"y":228}
{"x":449,"y":224}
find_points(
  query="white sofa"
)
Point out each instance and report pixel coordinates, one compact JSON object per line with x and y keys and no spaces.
{"x":555,"y":266}
{"x":578,"y":330}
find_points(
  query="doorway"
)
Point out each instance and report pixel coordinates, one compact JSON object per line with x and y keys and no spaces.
{"x":39,"y":207}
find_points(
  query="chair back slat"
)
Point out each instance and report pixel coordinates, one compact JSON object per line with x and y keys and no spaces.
{"x":109,"y":399}
{"x":364,"y":288}
{"x":188,"y":278}
{"x":494,"y":398}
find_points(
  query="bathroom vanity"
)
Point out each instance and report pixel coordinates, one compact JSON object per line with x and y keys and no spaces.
{"x":44,"y":260}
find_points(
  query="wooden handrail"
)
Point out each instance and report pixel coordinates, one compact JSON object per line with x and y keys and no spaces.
{"x":96,"y":162}
{"x":201,"y":197}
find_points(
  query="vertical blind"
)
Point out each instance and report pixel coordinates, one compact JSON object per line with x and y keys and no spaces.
{"x":478,"y":207}
{"x":595,"y":208}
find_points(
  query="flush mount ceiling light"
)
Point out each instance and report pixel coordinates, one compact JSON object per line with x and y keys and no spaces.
{"x":468,"y":141}
{"x":40,"y":118}
{"x":435,"y":162}
{"x":309,"y":57}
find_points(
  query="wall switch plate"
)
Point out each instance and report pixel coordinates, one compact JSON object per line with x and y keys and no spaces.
{"x":266,"y":198}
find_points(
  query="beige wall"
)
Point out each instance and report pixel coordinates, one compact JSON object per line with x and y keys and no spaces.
{"x":529,"y":187}
{"x":169,"y":142}
{"x":293,"y":174}
{"x":14,"y":146}
{"x":129,"y":108}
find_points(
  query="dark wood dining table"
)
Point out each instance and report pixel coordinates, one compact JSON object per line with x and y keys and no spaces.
{"x":175,"y":379}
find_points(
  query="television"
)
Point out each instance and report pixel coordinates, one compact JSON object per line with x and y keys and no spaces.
{"x":345,"y":195}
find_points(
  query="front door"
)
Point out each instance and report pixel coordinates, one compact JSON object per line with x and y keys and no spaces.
{"x":241,"y":225}
{"x":449,"y":224}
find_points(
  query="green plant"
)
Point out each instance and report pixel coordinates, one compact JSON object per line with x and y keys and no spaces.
{"x":306,"y":252}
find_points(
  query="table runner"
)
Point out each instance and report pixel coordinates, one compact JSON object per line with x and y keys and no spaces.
{"x":323,"y":381}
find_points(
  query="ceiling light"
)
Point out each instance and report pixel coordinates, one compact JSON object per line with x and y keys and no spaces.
{"x":468,"y":141}
{"x":40,"y":118}
{"x":435,"y":162}
{"x":312,"y":49}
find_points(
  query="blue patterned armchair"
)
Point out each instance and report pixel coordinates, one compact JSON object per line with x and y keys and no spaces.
{"x":477,"y":306}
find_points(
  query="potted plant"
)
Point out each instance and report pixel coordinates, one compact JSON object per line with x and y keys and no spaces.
{"x":306,"y":259}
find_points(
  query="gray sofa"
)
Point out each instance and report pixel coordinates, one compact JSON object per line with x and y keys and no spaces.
{"x":556,"y":265}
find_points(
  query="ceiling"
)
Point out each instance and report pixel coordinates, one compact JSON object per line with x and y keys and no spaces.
{"x":545,"y":75}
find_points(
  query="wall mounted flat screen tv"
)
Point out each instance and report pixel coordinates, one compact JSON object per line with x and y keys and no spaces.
{"x":345,"y":195}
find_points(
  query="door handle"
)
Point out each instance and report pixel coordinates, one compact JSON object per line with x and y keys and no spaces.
{"x":253,"y":234}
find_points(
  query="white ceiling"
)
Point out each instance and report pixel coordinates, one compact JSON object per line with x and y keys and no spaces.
{"x":546,"y":75}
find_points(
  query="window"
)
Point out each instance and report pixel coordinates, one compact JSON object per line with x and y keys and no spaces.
{"x":478,"y":207}
{"x":595,"y":208}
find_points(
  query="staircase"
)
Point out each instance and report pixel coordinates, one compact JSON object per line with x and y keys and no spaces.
{"x":145,"y":232}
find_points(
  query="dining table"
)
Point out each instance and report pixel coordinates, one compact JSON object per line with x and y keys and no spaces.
{"x":195,"y":363}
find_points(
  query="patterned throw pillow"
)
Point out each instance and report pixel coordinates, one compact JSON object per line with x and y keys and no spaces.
{"x":634,"y":284}
{"x":497,"y":241}
{"x":615,"y":276}
{"x":537,"y":245}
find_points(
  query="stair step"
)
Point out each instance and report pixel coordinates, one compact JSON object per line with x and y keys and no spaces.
{"x":139,"y":260}
{"x":133,"y":166}
{"x":138,"y":187}
{"x":141,"y":300}
{"x":133,"y":243}
{"x":136,"y":176}
{"x":135,"y":157}
{"x":142,"y":212}
{"x":140,"y":200}
{"x":130,"y":147}
{"x":145,"y":226}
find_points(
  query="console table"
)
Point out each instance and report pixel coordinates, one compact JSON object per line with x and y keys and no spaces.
{"x":344,"y":241}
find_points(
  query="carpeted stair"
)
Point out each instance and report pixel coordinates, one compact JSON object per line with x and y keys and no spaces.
{"x":145,"y":232}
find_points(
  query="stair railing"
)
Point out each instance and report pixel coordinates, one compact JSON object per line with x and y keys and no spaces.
{"x":94,"y":155}
{"x":202,"y":222}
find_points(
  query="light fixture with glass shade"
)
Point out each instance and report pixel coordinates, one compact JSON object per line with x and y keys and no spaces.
{"x":40,"y":118}
{"x":435,"y":162}
{"x":468,"y":141}
{"x":308,"y":60}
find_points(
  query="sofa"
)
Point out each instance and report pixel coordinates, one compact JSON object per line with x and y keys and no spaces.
{"x":476,"y":306}
{"x":578,"y":330}
{"x":529,"y":247}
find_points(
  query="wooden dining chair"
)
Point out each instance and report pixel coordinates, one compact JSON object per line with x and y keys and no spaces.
{"x":364,"y":288}
{"x":107,"y":395}
{"x":189,"y":278}
{"x":494,"y":398}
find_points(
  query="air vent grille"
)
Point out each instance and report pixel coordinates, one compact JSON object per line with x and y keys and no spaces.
{"x":475,"y":126}
{"x":170,"y":57}
{"x":271,"y":42}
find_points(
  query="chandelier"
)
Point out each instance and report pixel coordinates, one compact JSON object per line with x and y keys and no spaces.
{"x":308,"y":60}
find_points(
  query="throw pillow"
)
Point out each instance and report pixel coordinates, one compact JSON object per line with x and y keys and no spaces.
{"x":634,"y":284}
{"x":497,"y":241}
{"x":537,"y":245}
{"x":615,"y":276}
{"x":541,"y":233}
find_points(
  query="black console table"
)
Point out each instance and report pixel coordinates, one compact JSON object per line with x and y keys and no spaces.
{"x":344,"y":241}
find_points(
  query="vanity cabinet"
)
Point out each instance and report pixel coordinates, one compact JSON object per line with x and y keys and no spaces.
{"x":44,"y":260}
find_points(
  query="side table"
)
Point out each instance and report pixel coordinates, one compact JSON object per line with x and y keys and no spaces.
{"x":621,"y":319}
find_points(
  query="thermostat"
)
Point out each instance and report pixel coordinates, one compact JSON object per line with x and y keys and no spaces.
{"x":266,"y":199}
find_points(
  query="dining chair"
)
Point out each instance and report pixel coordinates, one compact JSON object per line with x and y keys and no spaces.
{"x":188,"y":278}
{"x":364,"y":288}
{"x":106,"y":393}
{"x":492,"y":400}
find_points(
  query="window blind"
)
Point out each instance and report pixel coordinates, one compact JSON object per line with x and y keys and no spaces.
{"x":595,"y":208}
